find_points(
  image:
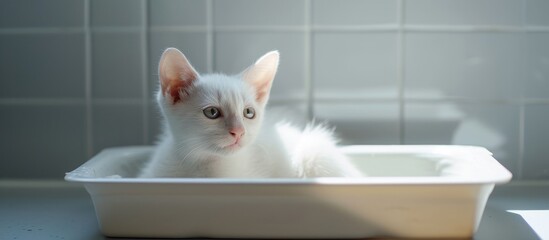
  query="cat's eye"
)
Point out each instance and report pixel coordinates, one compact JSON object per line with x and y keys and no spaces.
{"x":249,"y":113}
{"x":211,"y":112}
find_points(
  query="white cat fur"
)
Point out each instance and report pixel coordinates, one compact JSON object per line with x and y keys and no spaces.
{"x":193,"y":146}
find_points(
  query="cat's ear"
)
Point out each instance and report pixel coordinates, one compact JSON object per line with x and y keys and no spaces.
{"x":261,"y":74}
{"x":177,"y":75}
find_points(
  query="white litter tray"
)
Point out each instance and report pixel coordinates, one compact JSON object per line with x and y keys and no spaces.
{"x":410,"y":191}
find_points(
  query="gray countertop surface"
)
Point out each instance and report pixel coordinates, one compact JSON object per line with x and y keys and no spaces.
{"x":36,"y":210}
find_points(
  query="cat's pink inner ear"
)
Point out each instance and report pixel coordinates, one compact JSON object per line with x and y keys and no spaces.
{"x":177,"y":75}
{"x":261,"y":75}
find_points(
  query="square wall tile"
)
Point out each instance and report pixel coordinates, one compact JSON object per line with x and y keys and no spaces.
{"x":192,"y":44}
{"x":42,"y":66}
{"x":536,"y":82}
{"x":294,"y":111}
{"x":259,"y":13}
{"x":354,"y":12}
{"x":117,"y":125}
{"x":495,"y":127}
{"x":177,"y":13}
{"x":30,"y":13}
{"x":463,"y":12}
{"x":107,"y":13}
{"x":117,"y":63}
{"x":472,"y":65}
{"x":355,"y":65}
{"x":236,"y":51}
{"x":41,"y":141}
{"x":536,"y":138}
{"x":361,"y":123}
{"x":536,"y":12}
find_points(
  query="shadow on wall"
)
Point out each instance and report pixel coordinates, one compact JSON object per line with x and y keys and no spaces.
{"x":490,"y":125}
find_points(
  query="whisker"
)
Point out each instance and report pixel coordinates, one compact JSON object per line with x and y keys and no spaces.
{"x":187,"y":155}
{"x":187,"y":140}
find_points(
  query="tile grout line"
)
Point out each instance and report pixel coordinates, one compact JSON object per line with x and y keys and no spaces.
{"x":308,"y":58}
{"x":88,"y":77}
{"x":45,"y":30}
{"x":463,"y":100}
{"x":283,"y":28}
{"x":400,"y":72}
{"x":209,"y":36}
{"x":145,"y":68}
{"x":520,"y":161}
{"x":44,"y":101}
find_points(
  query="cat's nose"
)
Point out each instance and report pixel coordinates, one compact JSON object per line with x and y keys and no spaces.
{"x":236,"y":132}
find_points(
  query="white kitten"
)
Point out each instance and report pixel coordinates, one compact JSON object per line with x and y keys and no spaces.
{"x":216,"y":126}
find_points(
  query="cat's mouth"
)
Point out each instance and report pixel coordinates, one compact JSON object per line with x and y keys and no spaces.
{"x":234,"y":146}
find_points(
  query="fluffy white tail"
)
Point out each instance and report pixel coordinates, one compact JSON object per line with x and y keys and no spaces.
{"x":316,"y":155}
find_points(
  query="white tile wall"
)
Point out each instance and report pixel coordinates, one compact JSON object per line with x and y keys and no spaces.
{"x":355,"y":65}
{"x":354,"y":12}
{"x":536,"y":81}
{"x":361,"y":123}
{"x":177,"y":13}
{"x":536,"y":13}
{"x":494,"y":126}
{"x":258,"y":13}
{"x":40,"y":14}
{"x":464,"y":12}
{"x":41,"y":141}
{"x":119,"y":13}
{"x":470,"y":65}
{"x":536,"y":142}
{"x":193,"y":45}
{"x":117,"y":125}
{"x":42,"y":65}
{"x":234,"y":52}
{"x":77,"y":76}
{"x":116,"y":58}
